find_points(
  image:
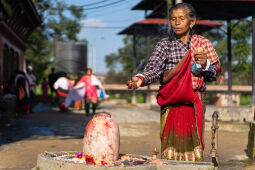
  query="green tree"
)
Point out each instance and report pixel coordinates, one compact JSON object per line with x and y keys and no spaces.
{"x":125,"y":55}
{"x":241,"y":49}
{"x":114,"y":77}
{"x":61,"y":22}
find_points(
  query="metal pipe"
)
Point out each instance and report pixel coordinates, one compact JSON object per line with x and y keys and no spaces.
{"x":214,"y":143}
{"x":168,"y":6}
{"x":253,"y":63}
{"x":148,"y":94}
{"x":229,"y":65}
{"x":133,"y":100}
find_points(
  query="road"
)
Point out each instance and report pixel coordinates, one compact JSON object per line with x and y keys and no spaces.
{"x":49,"y":130}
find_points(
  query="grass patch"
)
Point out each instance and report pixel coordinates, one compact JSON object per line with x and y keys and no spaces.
{"x":207,"y":99}
{"x":245,"y":100}
{"x":139,"y":97}
{"x":121,"y":96}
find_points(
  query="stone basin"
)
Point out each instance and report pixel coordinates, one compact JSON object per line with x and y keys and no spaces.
{"x":61,"y":161}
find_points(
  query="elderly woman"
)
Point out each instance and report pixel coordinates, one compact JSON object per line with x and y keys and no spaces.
{"x":183,"y":62}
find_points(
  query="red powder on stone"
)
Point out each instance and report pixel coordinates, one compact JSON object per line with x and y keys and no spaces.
{"x":108,"y":125}
{"x":103,"y":163}
{"x":91,"y":123}
{"x":89,"y":160}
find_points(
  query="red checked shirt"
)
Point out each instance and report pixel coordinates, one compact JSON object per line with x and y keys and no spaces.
{"x":168,"y":53}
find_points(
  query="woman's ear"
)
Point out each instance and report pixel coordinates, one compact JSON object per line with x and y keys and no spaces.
{"x":192,"y":22}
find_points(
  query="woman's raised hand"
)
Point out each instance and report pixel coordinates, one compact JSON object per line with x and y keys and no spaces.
{"x":200,"y":57}
{"x":135,"y":83}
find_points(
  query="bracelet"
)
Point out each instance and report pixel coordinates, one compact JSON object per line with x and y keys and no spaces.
{"x":142,"y":79}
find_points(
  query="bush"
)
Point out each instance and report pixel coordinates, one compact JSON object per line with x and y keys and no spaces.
{"x":245,"y":100}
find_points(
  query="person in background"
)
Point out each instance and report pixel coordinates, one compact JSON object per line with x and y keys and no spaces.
{"x":62,"y":86}
{"x":45,"y":86}
{"x":32,"y":85}
{"x":91,"y":86}
{"x":22,"y":91}
{"x":52,"y":79}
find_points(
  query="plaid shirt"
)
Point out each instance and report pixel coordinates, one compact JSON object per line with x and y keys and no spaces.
{"x":168,"y":53}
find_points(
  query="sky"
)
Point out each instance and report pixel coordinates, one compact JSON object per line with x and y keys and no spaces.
{"x":105,"y":40}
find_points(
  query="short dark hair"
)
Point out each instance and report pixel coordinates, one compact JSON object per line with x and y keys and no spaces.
{"x":191,"y":12}
{"x":89,"y":69}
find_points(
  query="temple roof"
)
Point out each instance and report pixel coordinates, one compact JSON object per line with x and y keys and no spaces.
{"x":20,"y":17}
{"x":223,"y":9}
{"x":206,"y":9}
{"x":158,"y":26}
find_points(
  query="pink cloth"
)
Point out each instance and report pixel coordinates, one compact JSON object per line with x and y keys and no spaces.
{"x":90,"y":90}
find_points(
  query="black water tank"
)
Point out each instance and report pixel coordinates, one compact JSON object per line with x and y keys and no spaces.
{"x":71,"y":57}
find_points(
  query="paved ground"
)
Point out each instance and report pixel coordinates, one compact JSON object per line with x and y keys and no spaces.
{"x":49,"y":130}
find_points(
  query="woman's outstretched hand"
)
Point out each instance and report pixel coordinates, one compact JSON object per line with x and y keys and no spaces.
{"x":135,"y":83}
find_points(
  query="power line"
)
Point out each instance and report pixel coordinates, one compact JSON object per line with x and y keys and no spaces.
{"x":94,"y":27}
{"x":106,"y":13}
{"x":99,"y":12}
{"x":123,"y":20}
{"x":102,"y":6}
{"x":96,"y":7}
{"x":95,"y":3}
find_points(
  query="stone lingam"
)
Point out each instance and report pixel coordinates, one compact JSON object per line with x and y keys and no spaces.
{"x":101,"y":145}
{"x":102,"y":138}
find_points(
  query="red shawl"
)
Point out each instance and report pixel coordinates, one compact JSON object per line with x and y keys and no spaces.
{"x":179,"y":90}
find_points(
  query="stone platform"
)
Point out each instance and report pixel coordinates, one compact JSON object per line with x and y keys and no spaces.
{"x":49,"y":162}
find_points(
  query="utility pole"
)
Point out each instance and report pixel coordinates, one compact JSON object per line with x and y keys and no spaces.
{"x":148,"y":95}
{"x":178,"y":1}
{"x":133,"y":100}
{"x":168,"y":6}
{"x":253,"y":63}
{"x":91,"y":56}
{"x":95,"y":60}
{"x":229,"y":65}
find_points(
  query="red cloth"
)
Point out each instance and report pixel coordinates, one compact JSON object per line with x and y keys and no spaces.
{"x":61,"y":93}
{"x":179,"y":90}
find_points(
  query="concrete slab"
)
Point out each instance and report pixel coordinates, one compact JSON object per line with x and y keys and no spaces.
{"x":230,"y":114}
{"x":46,"y":162}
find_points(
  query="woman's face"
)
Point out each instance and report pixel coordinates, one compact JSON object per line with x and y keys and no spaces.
{"x":89,"y":72}
{"x":180,"y":21}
